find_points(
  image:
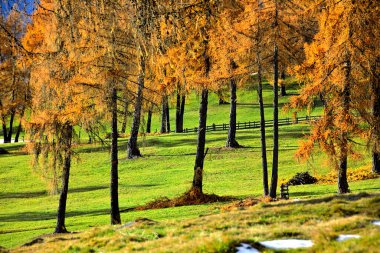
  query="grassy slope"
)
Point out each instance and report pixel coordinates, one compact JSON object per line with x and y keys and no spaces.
{"x":166,"y":170}
{"x":320,"y":220}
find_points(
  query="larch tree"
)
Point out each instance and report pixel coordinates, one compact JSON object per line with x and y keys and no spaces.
{"x":14,"y":74}
{"x":337,"y":65}
{"x":59,"y":103}
{"x":144,"y":18}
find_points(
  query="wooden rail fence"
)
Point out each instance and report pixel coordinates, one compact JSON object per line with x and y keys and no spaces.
{"x":255,"y":124}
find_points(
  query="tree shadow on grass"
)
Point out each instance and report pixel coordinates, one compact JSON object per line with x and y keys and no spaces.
{"x":37,"y":194}
{"x":40,"y":216}
{"x":349,"y":197}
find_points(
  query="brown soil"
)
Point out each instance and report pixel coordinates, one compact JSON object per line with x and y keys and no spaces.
{"x":191,"y":197}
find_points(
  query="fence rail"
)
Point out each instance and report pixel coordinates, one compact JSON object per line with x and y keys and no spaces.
{"x":255,"y":124}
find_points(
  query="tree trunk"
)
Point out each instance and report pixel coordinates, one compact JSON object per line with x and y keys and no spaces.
{"x":19,"y":129}
{"x":342,"y":170}
{"x":179,"y":112}
{"x":5,"y":131}
{"x":125,"y":116}
{"x":199,"y":160}
{"x":283,"y":88}
{"x":178,"y":128}
{"x":167,"y":115}
{"x":231,"y":139}
{"x":115,"y":213}
{"x":10,"y":131}
{"x":149,"y":121}
{"x":201,"y":142}
{"x":273,"y":186}
{"x":133,"y":150}
{"x":66,"y":138}
{"x":376,"y":119}
{"x":183,"y":101}
{"x":376,"y":162}
{"x":163,"y":115}
{"x":262,"y":129}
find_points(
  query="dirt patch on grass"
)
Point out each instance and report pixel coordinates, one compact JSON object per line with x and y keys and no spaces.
{"x":247,"y":202}
{"x":3,"y":250}
{"x":190,"y":197}
{"x":363,"y":173}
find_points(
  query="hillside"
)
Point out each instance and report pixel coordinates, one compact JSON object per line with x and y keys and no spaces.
{"x":27,"y":211}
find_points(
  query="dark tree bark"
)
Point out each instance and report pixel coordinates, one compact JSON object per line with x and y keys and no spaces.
{"x":342,"y":170}
{"x":163,"y":115}
{"x":262,"y":129}
{"x":133,"y":150}
{"x":376,"y":119}
{"x":178,"y":127}
{"x":181,"y":116}
{"x":180,"y":110}
{"x":149,"y":121}
{"x":283,"y":88}
{"x":125,"y":115}
{"x":67,"y":136}
{"x":5,"y":131}
{"x":199,"y":160}
{"x":376,"y":162}
{"x":231,"y":139}
{"x":197,"y":186}
{"x":10,"y":131}
{"x":167,"y":115}
{"x":115,"y":213}
{"x":273,"y":185}
{"x":19,"y":128}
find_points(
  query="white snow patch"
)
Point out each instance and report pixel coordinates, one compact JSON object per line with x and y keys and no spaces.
{"x":376,"y":222}
{"x":246,"y":248}
{"x":21,"y":140}
{"x":287,"y":244}
{"x":342,"y":238}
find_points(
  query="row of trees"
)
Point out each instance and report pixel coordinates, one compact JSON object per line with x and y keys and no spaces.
{"x":82,"y":63}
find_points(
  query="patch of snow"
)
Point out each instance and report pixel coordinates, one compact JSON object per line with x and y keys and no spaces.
{"x":342,"y":238}
{"x":287,"y":244}
{"x":376,"y":222}
{"x":246,"y":248}
{"x":21,"y":140}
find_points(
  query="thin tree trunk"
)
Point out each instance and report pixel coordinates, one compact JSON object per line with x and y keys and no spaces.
{"x":149,"y":121}
{"x":178,"y":128}
{"x":376,"y":162}
{"x":115,"y":213}
{"x":10,"y":131}
{"x":163,"y":115}
{"x":262,"y":129}
{"x":133,"y":150}
{"x":231,"y":139}
{"x":197,"y":186}
{"x":67,"y":139}
{"x":181,"y":116}
{"x":19,"y":128}
{"x":283,"y":88}
{"x":342,"y":170}
{"x":376,"y":120}
{"x":5,"y":131}
{"x":199,"y":160}
{"x":167,"y":115}
{"x":273,"y":185}
{"x":180,"y":109}
{"x":125,"y":116}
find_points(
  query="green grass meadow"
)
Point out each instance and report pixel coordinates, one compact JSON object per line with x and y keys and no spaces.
{"x":166,"y":169}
